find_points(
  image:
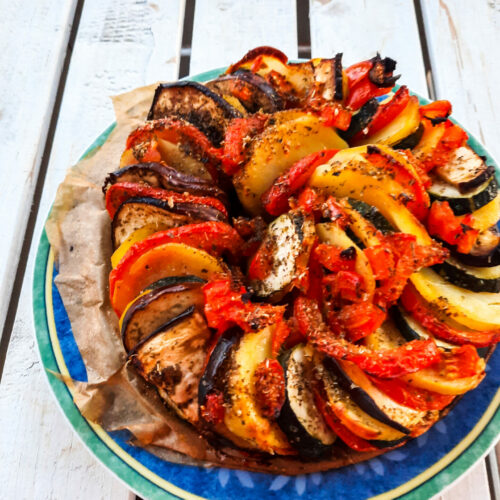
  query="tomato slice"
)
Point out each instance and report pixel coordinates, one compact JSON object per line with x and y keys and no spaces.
{"x":423,"y":313}
{"x":412,"y":397}
{"x":335,"y":115}
{"x":389,"y":363}
{"x":280,"y":336}
{"x":437,"y":110}
{"x":269,"y":387}
{"x":213,"y":410}
{"x":122,"y":191}
{"x":362,"y":92}
{"x":275,"y":199}
{"x":336,"y":258}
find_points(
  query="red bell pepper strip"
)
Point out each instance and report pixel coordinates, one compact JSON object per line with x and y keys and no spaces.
{"x":389,"y":363}
{"x":362,"y":92}
{"x":269,"y":380}
{"x":360,"y":319}
{"x":419,"y":202}
{"x":454,"y":230}
{"x":236,"y":140}
{"x":212,"y":237}
{"x":335,"y":115}
{"x":348,"y":437}
{"x":335,"y":258}
{"x":226,"y":307}
{"x":275,"y":199}
{"x":280,"y":336}
{"x":122,"y":191}
{"x":346,"y":285}
{"x":387,"y":112}
{"x":412,"y":397}
{"x":418,"y":308}
{"x":382,"y":261}
{"x":437,"y":110}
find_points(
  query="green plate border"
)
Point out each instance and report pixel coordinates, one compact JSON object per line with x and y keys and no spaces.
{"x":136,"y":481}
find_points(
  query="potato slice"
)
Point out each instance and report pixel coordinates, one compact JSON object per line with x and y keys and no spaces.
{"x":276,"y":150}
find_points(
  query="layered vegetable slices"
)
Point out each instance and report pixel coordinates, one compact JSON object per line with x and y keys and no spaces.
{"x":305,"y":257}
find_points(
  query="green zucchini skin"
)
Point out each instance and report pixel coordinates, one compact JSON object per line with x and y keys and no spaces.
{"x":372,"y":215}
{"x":410,"y":141}
{"x":308,"y":447}
{"x":463,"y":279}
{"x":462,"y":205}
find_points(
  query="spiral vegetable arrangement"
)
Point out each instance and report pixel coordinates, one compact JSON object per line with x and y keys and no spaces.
{"x":306,"y":258}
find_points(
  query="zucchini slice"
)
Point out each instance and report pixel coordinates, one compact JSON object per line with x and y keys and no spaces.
{"x":465,"y":170}
{"x":462,"y":204}
{"x":135,"y":213}
{"x":195,"y":103}
{"x":411,"y":330}
{"x":475,"y":279}
{"x":158,"y":305}
{"x":372,"y":214}
{"x":172,"y":358}
{"x":299,"y":418}
{"x":479,"y":311}
{"x":288,"y":241}
{"x":243,"y":416}
{"x":350,"y":414}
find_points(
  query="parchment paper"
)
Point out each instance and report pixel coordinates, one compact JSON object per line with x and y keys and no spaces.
{"x":117,"y":398}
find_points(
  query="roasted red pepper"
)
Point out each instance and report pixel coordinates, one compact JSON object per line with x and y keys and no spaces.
{"x":346,"y":285}
{"x":412,"y":397}
{"x":226,"y":306}
{"x":348,"y":437}
{"x":454,"y":230}
{"x":238,"y":134}
{"x":387,"y":111}
{"x":362,"y":92}
{"x":335,"y":115}
{"x":419,"y":202}
{"x":390,"y":363}
{"x":381,"y":259}
{"x":336,"y":258}
{"x":420,"y":310}
{"x":275,"y":199}
{"x":122,"y":191}
{"x":437,"y":110}
{"x":269,"y":387}
{"x":360,"y":319}
{"x":280,"y":336}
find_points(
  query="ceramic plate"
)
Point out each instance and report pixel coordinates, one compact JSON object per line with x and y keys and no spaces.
{"x":420,"y":469}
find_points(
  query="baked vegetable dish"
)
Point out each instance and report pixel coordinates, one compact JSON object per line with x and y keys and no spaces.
{"x":306,"y":260}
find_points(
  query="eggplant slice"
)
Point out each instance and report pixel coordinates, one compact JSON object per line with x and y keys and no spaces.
{"x":299,"y":418}
{"x":460,"y":203}
{"x":485,"y":253}
{"x":172,"y":358}
{"x":135,"y":213}
{"x":158,"y":306}
{"x":465,"y":170}
{"x":166,"y":177}
{"x":195,"y":103}
{"x":253,"y":91}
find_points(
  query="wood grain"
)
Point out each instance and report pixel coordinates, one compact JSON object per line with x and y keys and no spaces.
{"x":33,"y":42}
{"x":225,"y":30}
{"x":360,"y":29}
{"x":120,"y":45}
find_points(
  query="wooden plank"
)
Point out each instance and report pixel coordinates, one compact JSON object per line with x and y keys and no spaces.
{"x":359,"y":29}
{"x":473,"y":485}
{"x":33,"y":42}
{"x":224,"y":31}
{"x":462,"y":39}
{"x":121,"y":44}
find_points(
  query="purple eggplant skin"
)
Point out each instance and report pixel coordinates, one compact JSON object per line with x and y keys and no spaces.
{"x":213,"y":376}
{"x":361,"y":397}
{"x":261,"y":95}
{"x":134,"y":213}
{"x":169,"y":324}
{"x":338,"y":77}
{"x":195,"y":103}
{"x":159,"y":306}
{"x":387,"y":444}
{"x":381,"y":73}
{"x":164,"y":176}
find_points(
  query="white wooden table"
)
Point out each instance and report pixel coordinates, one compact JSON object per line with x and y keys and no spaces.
{"x":61,"y":59}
